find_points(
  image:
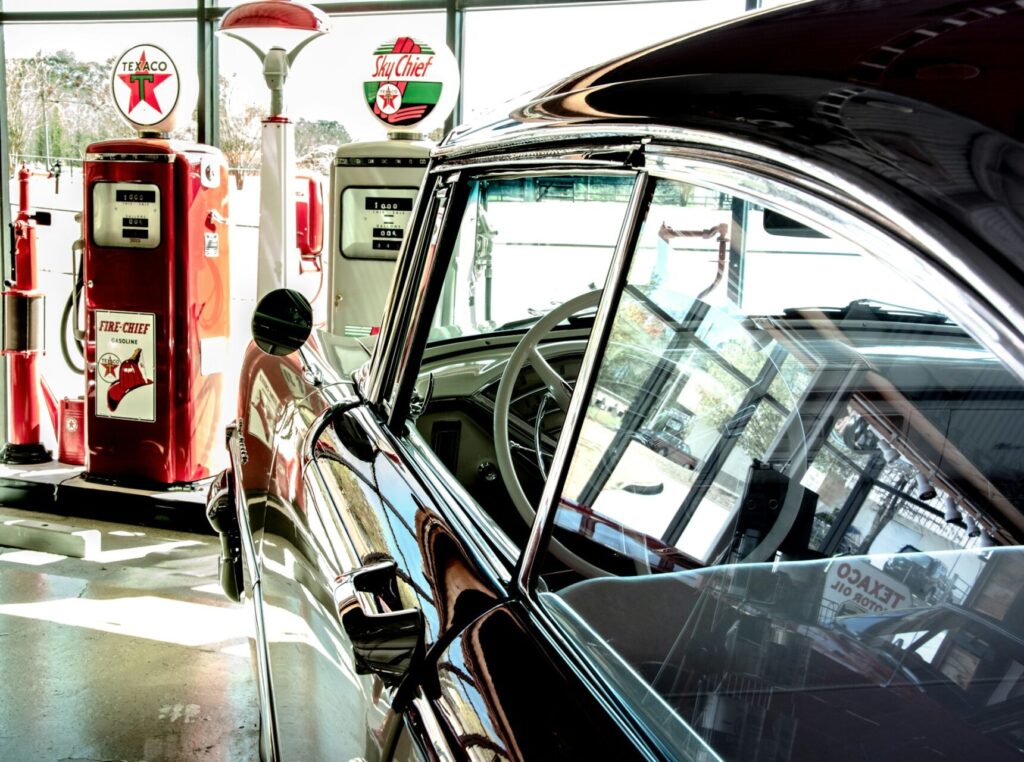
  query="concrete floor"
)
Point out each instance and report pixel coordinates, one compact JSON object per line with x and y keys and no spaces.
{"x":129,"y":652}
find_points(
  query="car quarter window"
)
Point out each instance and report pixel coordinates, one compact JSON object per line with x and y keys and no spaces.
{"x":775,"y":523}
{"x":522,"y":245}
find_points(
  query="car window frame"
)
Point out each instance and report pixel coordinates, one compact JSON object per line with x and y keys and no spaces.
{"x":810,"y":197}
{"x":396,"y":364}
{"x":429,"y":272}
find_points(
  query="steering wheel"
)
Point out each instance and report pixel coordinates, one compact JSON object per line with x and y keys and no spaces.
{"x":527,"y":352}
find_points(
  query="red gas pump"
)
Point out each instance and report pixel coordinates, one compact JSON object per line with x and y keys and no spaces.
{"x":157,"y":309}
{"x":157,"y":298}
{"x":23,"y":336}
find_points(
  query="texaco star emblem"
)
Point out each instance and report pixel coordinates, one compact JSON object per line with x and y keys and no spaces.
{"x":389,"y":98}
{"x":142,"y":84}
{"x":110,"y":364}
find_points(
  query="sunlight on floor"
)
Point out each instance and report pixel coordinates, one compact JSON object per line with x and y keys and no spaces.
{"x":30,"y":557}
{"x":160,"y":619}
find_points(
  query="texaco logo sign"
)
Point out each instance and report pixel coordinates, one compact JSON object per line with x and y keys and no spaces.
{"x":146,"y":85}
{"x":405,"y":84}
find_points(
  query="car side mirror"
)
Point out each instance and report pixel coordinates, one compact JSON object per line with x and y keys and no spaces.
{"x":282,"y":322}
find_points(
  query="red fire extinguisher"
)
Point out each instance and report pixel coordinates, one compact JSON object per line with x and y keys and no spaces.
{"x":23,"y":336}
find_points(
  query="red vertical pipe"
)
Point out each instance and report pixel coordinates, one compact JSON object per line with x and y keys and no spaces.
{"x":24,"y":374}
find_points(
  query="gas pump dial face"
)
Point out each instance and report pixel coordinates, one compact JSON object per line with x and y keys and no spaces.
{"x":374,"y":220}
{"x":126,"y":215}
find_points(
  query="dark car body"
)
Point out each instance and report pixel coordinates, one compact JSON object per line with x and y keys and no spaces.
{"x":399,"y":616}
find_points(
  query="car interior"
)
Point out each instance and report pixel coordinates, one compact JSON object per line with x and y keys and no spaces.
{"x":864,"y":399}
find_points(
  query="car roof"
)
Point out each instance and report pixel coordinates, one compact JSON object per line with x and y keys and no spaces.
{"x":918,"y":94}
{"x":961,"y":57}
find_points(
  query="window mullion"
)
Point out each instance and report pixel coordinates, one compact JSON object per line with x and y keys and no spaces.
{"x":618,"y":272}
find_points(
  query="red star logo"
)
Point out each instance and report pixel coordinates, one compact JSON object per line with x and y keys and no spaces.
{"x":142,"y":83}
{"x":109,"y":365}
{"x":387,"y":98}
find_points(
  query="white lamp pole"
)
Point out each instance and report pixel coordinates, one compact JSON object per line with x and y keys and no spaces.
{"x":276,"y":30}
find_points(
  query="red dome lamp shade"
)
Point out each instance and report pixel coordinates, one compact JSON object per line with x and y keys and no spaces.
{"x":276,"y":30}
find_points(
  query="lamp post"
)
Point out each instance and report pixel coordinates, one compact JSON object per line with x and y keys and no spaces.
{"x":276,"y":30}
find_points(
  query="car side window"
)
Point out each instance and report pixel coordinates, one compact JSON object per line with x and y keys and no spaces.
{"x":526,"y":243}
{"x":722,"y":411}
{"x":790,"y":470}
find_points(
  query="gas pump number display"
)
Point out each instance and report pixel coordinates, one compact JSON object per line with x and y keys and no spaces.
{"x":126,"y":215}
{"x":373,"y":221}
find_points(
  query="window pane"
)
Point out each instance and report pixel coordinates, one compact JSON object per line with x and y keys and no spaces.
{"x":42,"y":6}
{"x":323,"y":99}
{"x":704,"y":405}
{"x":781,"y":662}
{"x":524,"y":246}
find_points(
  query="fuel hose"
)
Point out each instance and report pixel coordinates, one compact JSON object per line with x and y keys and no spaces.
{"x":70,"y":314}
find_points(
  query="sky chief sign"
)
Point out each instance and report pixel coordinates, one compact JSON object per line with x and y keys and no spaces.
{"x":146,"y":87}
{"x":408,"y":82}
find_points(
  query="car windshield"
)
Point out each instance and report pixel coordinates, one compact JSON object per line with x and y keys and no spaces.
{"x":526,"y":245}
{"x":775,"y":526}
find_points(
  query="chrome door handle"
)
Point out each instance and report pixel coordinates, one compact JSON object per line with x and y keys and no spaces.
{"x":384,"y":642}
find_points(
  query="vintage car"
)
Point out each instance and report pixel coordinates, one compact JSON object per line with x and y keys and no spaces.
{"x":667,"y":437}
{"x":803,"y":223}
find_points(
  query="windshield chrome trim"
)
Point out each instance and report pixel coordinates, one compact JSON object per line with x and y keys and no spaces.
{"x":618,"y":270}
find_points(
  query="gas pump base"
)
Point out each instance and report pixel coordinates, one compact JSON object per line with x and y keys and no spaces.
{"x":59,"y":488}
{"x":25,"y":454}
{"x":131,"y":483}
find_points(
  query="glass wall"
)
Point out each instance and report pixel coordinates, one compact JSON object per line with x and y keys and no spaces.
{"x":58,"y":73}
{"x":323,"y":99}
{"x":512,"y":51}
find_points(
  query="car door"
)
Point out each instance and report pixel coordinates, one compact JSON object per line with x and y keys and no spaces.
{"x":281,"y":538}
{"x":498,"y":690}
{"x":347,"y":599}
{"x":370,"y":566}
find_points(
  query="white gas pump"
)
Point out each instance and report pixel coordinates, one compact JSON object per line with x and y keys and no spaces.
{"x":373,"y":188}
{"x":409,"y":85}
